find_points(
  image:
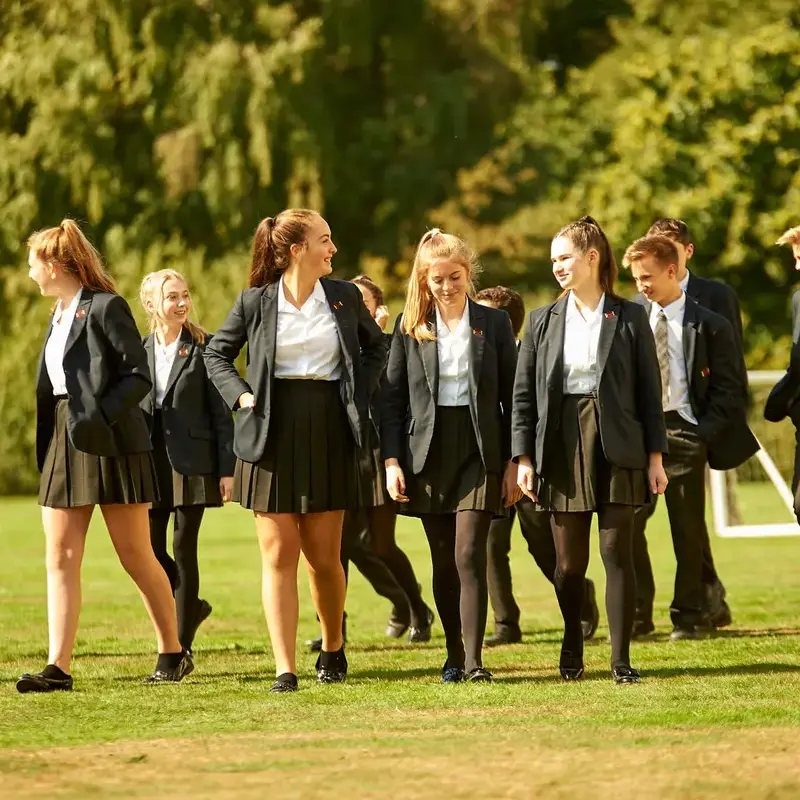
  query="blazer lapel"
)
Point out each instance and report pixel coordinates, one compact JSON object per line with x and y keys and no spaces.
{"x":41,"y":369}
{"x":477,"y":341}
{"x":182,"y":356}
{"x":689,"y":338}
{"x":694,"y":289}
{"x":269,"y":323}
{"x":429,"y":354}
{"x":336,"y":305}
{"x":150,"y":349}
{"x":554,"y":358}
{"x":608,"y":327}
{"x":79,"y":323}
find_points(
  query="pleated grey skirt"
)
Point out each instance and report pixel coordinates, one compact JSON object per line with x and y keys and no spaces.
{"x":72,"y":478}
{"x":310,"y":462}
{"x":372,"y":473}
{"x":453,"y":478}
{"x":176,"y":490}
{"x":580,"y":477}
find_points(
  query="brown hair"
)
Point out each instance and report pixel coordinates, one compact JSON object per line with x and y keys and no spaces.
{"x":674,"y":229}
{"x":67,"y":246}
{"x":661,"y":248}
{"x":434,"y":245}
{"x":509,"y":301}
{"x":371,"y":287}
{"x":790,"y":237}
{"x":272,"y":243}
{"x":586,"y":234}
{"x":152,"y":289}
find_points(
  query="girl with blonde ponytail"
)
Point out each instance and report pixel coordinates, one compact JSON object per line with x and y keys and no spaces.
{"x":93,"y":448}
{"x":445,"y":434}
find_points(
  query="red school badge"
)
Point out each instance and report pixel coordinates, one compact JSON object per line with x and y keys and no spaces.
{"x":477,"y":331}
{"x":705,"y":372}
{"x":183,"y":352}
{"x":80,"y":313}
{"x":609,"y":315}
{"x":337,"y":305}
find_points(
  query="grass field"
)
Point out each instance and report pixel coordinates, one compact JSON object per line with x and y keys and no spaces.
{"x":717,"y":718}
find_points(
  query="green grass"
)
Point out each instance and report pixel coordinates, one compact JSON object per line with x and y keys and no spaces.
{"x":713,"y":718}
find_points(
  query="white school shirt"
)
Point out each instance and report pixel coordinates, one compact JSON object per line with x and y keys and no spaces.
{"x":57,"y":341}
{"x":581,"y":337}
{"x":165,"y":355}
{"x":685,"y":282}
{"x":307,"y":343}
{"x":678,"y":389}
{"x":453,"y":351}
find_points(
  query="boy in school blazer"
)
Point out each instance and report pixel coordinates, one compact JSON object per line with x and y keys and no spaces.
{"x":704,"y":396}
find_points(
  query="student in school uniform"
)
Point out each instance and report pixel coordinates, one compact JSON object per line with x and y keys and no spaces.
{"x":314,"y":357}
{"x":783,"y":399}
{"x":703,"y":391}
{"x":721,"y":299}
{"x":368,"y":532}
{"x":534,"y":524}
{"x":92,"y":448}
{"x":445,"y":417}
{"x":191,"y":429}
{"x":588,"y":431}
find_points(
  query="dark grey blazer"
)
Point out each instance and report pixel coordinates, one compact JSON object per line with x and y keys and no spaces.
{"x":717,"y":386}
{"x":411,"y":389}
{"x":796,"y":316}
{"x":198,"y":426}
{"x":628,"y":389}
{"x":106,"y":374}
{"x":253,"y":320}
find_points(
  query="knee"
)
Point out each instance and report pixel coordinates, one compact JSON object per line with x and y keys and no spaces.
{"x":280,"y":558}
{"x":471,"y":559}
{"x":383,"y":547}
{"x":324,"y":565}
{"x":62,"y":559}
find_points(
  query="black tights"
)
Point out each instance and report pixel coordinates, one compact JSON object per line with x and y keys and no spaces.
{"x":571,"y":535}
{"x":458,"y":555}
{"x":183,"y":571}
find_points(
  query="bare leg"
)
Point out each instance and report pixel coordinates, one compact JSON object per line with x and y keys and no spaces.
{"x":129,"y":528}
{"x":279,"y":542}
{"x":321,"y":538}
{"x":65,"y":536}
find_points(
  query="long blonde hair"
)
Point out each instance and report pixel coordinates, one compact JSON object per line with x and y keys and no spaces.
{"x":67,"y":246}
{"x":433,"y":246}
{"x":152,"y":290}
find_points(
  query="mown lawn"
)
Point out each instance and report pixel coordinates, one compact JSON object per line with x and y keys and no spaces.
{"x":717,"y":718}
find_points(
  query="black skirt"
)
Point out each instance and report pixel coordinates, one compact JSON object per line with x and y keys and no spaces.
{"x":454,"y":477}
{"x":310,"y":461}
{"x":71,"y":478}
{"x":372,"y":473}
{"x":176,"y":490}
{"x":580,"y":477}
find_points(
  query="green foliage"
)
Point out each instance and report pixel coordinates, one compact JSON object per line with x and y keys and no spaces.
{"x":169,"y":129}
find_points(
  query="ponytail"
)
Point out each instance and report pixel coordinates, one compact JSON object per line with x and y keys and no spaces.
{"x":67,"y":246}
{"x":272,"y":243}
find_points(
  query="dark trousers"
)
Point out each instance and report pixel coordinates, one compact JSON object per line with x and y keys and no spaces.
{"x":356,"y":547}
{"x":535,"y":527}
{"x":686,"y":500}
{"x":182,"y":570}
{"x":458,"y":555}
{"x":796,"y":476}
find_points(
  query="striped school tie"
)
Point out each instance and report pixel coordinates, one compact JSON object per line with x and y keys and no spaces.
{"x":662,"y":351}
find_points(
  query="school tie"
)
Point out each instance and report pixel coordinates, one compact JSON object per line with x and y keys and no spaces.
{"x":662,"y":351}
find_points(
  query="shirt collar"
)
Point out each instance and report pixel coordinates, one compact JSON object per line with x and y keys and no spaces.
{"x":673,"y":311}
{"x":317,"y":295}
{"x":167,"y":348}
{"x":590,"y":316}
{"x":69,"y":311}
{"x":441,"y":325}
{"x":685,"y":281}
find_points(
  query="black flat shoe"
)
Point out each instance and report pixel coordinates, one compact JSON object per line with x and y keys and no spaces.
{"x":286,"y":682}
{"x":571,"y":668}
{"x":174,"y":675}
{"x":590,"y":614}
{"x":681,"y":633}
{"x":452,"y":674}
{"x":395,"y":628}
{"x":478,"y":675}
{"x":332,"y":667}
{"x":45,"y":681}
{"x":642,"y":627}
{"x":503,"y":634}
{"x":315,"y":645}
{"x":423,"y":633}
{"x":625,"y":674}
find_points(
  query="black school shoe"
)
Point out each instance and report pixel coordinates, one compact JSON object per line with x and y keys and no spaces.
{"x":174,"y":674}
{"x":478,"y":675}
{"x":423,"y":633}
{"x":625,"y":674}
{"x":452,"y":674}
{"x":332,"y":667}
{"x":50,"y":679}
{"x":503,"y":634}
{"x":286,"y":682}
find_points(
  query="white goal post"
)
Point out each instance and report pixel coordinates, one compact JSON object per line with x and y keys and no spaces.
{"x":719,"y":494}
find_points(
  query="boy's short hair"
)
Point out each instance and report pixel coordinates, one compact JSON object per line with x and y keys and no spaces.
{"x":661,"y":248}
{"x":674,"y":229}
{"x":507,"y":299}
{"x":790,"y":237}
